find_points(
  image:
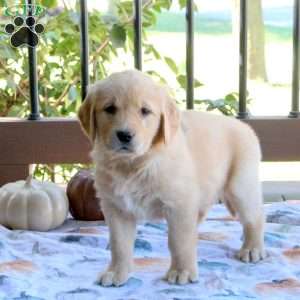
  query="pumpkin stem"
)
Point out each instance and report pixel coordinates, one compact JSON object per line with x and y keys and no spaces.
{"x":28,"y":180}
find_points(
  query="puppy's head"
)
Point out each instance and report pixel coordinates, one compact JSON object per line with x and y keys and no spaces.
{"x":128,"y":114}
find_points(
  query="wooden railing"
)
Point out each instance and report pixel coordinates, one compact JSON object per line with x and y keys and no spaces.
{"x":61,"y":140}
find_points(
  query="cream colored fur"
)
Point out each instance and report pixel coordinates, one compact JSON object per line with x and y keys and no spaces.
{"x":179,"y":165}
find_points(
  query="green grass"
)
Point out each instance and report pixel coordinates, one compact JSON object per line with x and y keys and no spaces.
{"x":175,"y":22}
{"x":278,"y":34}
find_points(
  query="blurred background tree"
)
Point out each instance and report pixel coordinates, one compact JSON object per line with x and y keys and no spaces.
{"x":256,"y":38}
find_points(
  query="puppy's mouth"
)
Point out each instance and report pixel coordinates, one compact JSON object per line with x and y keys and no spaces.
{"x":124,"y":149}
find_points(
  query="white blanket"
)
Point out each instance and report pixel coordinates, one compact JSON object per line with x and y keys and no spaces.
{"x":63,"y":263}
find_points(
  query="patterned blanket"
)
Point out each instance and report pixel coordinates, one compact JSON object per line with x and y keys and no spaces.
{"x":63,"y":263}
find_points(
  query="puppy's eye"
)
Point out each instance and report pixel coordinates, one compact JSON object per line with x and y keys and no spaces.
{"x":111,"y":109}
{"x":145,"y":111}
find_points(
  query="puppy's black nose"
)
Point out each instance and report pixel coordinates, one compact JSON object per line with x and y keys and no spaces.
{"x":124,"y":136}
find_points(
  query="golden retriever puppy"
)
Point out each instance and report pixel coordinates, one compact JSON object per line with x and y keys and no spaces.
{"x":154,"y":161}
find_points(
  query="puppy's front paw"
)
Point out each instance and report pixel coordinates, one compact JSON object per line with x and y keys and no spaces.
{"x":181,"y":276}
{"x":113,"y":278}
{"x":251,"y":255}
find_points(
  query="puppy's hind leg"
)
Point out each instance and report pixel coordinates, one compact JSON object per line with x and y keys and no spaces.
{"x":244,"y":196}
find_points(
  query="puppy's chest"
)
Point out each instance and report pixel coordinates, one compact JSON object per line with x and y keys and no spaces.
{"x":137,"y":194}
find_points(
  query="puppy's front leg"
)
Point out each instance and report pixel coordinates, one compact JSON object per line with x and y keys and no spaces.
{"x":122,"y":229}
{"x":182,"y":239}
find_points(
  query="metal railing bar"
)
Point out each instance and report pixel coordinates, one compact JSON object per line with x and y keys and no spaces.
{"x":243,"y":60}
{"x":84,"y":49}
{"x":138,"y":34}
{"x":190,"y":54}
{"x":296,"y":61}
{"x":33,"y":78}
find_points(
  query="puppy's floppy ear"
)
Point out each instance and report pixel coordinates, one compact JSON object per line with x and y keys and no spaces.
{"x":87,"y":116}
{"x":170,"y":120}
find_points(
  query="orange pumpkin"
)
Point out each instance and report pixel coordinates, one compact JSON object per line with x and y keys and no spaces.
{"x":83,"y":203}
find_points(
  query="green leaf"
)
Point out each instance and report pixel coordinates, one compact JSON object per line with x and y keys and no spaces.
{"x":16,"y":111}
{"x":149,"y":18}
{"x":7,"y":52}
{"x":156,"y":74}
{"x":50,"y":111}
{"x":150,"y":49}
{"x":171,"y":63}
{"x":182,"y":3}
{"x":182,"y":81}
{"x":118,"y":36}
{"x":197,"y":83}
{"x":232,"y":97}
{"x":49,"y":3}
{"x":72,"y":107}
{"x":161,"y":4}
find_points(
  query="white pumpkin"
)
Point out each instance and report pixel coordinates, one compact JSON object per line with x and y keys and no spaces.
{"x":32,"y":205}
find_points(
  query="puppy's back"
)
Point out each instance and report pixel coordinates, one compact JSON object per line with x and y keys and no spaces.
{"x":218,"y":142}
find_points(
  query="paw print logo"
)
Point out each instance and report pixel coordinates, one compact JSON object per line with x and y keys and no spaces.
{"x":24,"y":32}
